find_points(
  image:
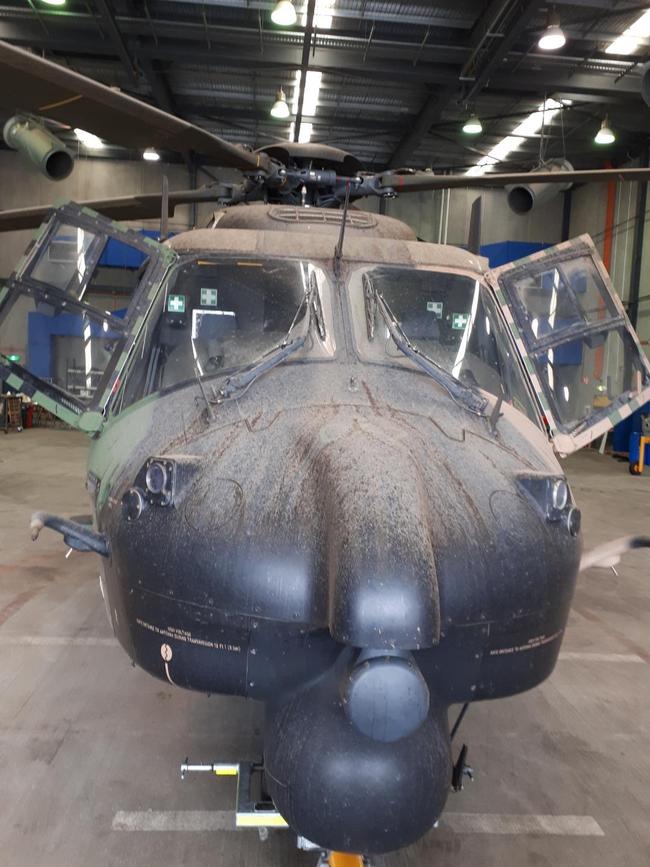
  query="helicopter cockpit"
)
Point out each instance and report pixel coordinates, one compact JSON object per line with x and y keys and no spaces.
{"x":216,"y":316}
{"x":107,"y":317}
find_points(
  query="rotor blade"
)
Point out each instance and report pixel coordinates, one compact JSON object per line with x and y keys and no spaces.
{"x":40,"y":87}
{"x":417,"y":182}
{"x":143,"y":207}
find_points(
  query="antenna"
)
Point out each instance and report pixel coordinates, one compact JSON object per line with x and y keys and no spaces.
{"x":338,"y":251}
{"x":474,"y":234}
{"x":496,"y":413}
{"x":164,"y":209}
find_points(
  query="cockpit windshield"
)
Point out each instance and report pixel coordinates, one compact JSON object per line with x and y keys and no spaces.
{"x":215,"y":317}
{"x":452,"y":321}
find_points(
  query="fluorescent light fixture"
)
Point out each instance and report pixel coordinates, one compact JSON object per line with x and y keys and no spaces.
{"x":543,"y":115}
{"x":89,"y":139}
{"x":150,"y":155}
{"x":605,"y":134}
{"x":628,"y":41}
{"x":304,"y":136}
{"x":280,"y":108}
{"x":322,"y":14}
{"x":552,"y":38}
{"x":284,"y":13}
{"x":473,"y":125}
{"x":312,"y":89}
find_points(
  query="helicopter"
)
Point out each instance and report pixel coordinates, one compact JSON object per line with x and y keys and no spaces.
{"x":323,"y":455}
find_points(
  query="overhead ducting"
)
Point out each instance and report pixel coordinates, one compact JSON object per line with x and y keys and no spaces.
{"x":522,"y":198}
{"x":40,"y":146}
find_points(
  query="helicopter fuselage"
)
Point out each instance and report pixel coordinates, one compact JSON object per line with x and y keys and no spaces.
{"x":342,"y":533}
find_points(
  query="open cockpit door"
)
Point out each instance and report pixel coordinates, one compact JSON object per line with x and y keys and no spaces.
{"x":581,"y":353}
{"x":72,"y":309}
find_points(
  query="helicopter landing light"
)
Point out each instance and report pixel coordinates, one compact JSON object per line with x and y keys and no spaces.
{"x":133,"y":504}
{"x":573,"y":521}
{"x":159,"y":481}
{"x":156,"y":478}
{"x":553,"y":497}
{"x":560,"y":494}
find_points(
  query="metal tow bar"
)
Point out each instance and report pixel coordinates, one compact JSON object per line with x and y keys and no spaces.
{"x":260,"y":812}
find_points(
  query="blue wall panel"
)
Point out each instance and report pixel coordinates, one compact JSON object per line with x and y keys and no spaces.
{"x":117,"y":254}
{"x":508,"y":251}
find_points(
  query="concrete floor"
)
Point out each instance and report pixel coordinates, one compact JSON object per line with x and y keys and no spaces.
{"x":83,"y":735}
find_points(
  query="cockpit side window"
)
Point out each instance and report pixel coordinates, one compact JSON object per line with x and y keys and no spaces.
{"x":216,"y":317}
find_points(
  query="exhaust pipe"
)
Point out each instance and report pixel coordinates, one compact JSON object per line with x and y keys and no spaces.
{"x":40,"y":146}
{"x":522,"y":198}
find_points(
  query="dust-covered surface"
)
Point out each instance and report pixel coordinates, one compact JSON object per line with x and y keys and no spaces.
{"x":338,"y":478}
{"x":83,"y":735}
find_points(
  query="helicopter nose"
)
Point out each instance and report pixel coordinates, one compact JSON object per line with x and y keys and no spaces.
{"x":383,"y":587}
{"x":319,"y":768}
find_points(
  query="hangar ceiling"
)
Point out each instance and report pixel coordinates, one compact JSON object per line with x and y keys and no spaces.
{"x":397,"y":79}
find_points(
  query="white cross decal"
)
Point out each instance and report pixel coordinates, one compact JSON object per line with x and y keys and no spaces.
{"x":176,"y":304}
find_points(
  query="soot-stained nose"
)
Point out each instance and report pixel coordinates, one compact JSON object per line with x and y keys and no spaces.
{"x":381,"y":568}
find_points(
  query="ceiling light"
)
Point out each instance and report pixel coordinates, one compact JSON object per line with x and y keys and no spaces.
{"x":88,"y":139}
{"x":284,"y":13}
{"x":54,"y":2}
{"x":280,"y":108}
{"x":552,"y":38}
{"x":528,"y":127}
{"x":473,"y":125}
{"x":151,"y":155}
{"x":605,"y":134}
{"x":628,"y":41}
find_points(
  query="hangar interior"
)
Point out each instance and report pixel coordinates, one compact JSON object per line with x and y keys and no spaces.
{"x":89,"y":745}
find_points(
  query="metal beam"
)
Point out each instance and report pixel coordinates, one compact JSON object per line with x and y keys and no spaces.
{"x":404,"y":13}
{"x":77,"y":35}
{"x":430,"y":112}
{"x":108,"y":19}
{"x":582,"y":86}
{"x":484,"y":30}
{"x":413,"y":14}
{"x":519,"y":13}
{"x":519,"y":16}
{"x":158,"y":85}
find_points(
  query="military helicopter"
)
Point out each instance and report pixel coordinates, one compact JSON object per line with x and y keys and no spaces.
{"x":322,"y":458}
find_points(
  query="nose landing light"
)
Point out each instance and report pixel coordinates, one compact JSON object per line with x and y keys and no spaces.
{"x":133,"y":504}
{"x":156,"y":478}
{"x":161,"y":481}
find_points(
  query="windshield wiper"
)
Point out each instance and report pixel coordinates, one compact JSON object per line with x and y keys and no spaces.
{"x":270,"y":359}
{"x":470,"y":399}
